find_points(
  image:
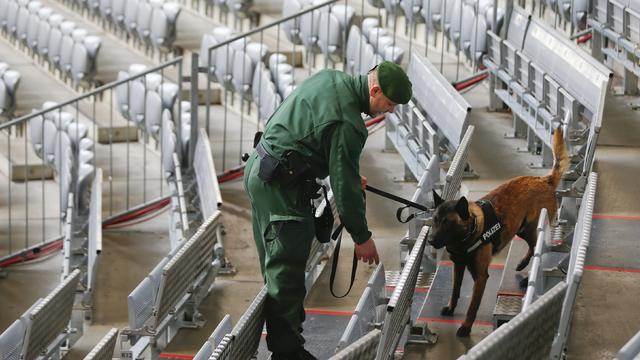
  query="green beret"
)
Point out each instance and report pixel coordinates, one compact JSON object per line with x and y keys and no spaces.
{"x":394,"y":82}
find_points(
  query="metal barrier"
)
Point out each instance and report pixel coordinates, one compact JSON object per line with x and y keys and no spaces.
{"x":367,"y":313}
{"x":169,"y":297}
{"x":630,"y":350}
{"x":84,"y":131}
{"x":241,"y":67}
{"x":104,"y":349}
{"x":44,"y":329}
{"x":616,"y":37}
{"x":437,"y":117}
{"x":224,"y":327}
{"x":453,"y":179}
{"x":398,"y":321}
{"x":362,"y":349}
{"x":528,"y":335}
{"x":536,"y":286}
{"x":243,"y":341}
{"x":581,"y":239}
{"x":206,"y":177}
{"x":546,"y":81}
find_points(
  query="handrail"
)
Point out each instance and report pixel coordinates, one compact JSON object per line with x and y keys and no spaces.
{"x":265,"y":27}
{"x":89,"y":94}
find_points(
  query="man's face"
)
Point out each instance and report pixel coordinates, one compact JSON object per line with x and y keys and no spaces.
{"x":378,"y":103}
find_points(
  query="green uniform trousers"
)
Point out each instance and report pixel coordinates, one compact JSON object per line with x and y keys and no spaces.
{"x":283,"y":230}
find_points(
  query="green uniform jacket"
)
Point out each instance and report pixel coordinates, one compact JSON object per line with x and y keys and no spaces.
{"x":322,"y":120}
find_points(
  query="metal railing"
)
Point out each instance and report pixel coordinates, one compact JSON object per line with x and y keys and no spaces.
{"x":259,"y":75}
{"x":40,"y":145}
{"x":362,"y":349}
{"x":105,"y":348}
{"x":528,"y":335}
{"x":630,"y":350}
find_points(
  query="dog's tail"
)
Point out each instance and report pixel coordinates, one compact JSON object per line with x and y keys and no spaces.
{"x":560,"y":158}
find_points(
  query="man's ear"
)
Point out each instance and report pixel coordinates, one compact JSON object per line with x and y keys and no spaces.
{"x":437,"y":199}
{"x":374,"y":90}
{"x":462,"y":208}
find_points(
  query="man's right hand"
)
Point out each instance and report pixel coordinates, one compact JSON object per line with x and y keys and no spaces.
{"x":367,"y":252}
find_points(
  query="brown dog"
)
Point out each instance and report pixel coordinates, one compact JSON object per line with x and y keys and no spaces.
{"x":460,"y":226}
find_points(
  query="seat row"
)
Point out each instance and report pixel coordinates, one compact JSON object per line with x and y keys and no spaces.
{"x":146,"y":100}
{"x":370,"y":46}
{"x":150,"y":22}
{"x":9,"y":81}
{"x":320,"y":31}
{"x":63,"y":143}
{"x":65,"y":46}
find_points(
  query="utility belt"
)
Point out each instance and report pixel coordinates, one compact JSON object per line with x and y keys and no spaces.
{"x":289,"y":172}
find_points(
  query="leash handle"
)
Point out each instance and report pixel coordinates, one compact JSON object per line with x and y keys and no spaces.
{"x":334,"y":264}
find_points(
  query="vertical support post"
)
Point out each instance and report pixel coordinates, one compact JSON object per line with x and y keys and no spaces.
{"x":194,"y":108}
{"x":630,"y":78}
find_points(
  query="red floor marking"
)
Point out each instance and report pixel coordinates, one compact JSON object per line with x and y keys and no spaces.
{"x":328,"y":312}
{"x":418,"y":290}
{"x":510,"y":293}
{"x":618,"y":217}
{"x":450,"y":263}
{"x":175,"y":356}
{"x":454,"y":321}
{"x":602,"y":268}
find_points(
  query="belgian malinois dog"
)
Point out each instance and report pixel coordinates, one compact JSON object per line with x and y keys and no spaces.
{"x":460,"y":226}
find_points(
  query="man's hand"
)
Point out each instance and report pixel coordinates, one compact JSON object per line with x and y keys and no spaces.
{"x":363,"y":182}
{"x":367,"y":252}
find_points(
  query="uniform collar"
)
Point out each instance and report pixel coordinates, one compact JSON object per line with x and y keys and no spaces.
{"x":362,"y":87}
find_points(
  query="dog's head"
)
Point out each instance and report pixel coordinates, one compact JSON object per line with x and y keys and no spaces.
{"x":450,"y":221}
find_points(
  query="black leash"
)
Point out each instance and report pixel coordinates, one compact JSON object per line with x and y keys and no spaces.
{"x":334,"y":263}
{"x":393,"y":197}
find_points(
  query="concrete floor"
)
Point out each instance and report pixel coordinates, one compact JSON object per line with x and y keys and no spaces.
{"x":129,"y":254}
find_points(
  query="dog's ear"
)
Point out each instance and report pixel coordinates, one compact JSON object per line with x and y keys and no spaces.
{"x":437,"y":199}
{"x":462,"y":208}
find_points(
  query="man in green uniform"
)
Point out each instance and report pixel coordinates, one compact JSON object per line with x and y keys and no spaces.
{"x":317,"y":131}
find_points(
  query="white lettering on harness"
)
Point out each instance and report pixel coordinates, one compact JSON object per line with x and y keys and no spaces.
{"x":487,"y":234}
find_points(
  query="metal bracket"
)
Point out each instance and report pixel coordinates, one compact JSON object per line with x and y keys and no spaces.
{"x":421,"y":334}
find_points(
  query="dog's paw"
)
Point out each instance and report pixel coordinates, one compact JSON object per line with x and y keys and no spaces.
{"x":463,"y":331}
{"x":524,"y":282}
{"x":446,"y":311}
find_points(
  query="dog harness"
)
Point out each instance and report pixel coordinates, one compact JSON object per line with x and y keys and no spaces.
{"x":492,"y":230}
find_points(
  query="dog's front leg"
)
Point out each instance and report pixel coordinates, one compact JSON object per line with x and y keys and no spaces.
{"x":481,"y":275}
{"x":458,"y":274}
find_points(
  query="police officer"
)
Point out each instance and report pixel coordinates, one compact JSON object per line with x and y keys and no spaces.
{"x":317,"y":131}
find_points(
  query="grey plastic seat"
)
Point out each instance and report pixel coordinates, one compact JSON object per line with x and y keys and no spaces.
{"x":105,"y":8}
{"x":153,"y":113}
{"x":23,"y":19}
{"x":291,"y":28}
{"x":376,"y":3}
{"x":284,"y":82}
{"x":353,"y":49}
{"x":152,"y":81}
{"x":4,"y":9}
{"x":276,"y":58}
{"x":185,"y":123}
{"x":61,"y":119}
{"x":12,"y":18}
{"x":64,"y":179}
{"x":86,"y":144}
{"x":143,"y":22}
{"x":55,"y":39}
{"x":261,"y":78}
{"x":66,"y":46}
{"x":393,"y":53}
{"x":83,"y":63}
{"x":36,"y":132}
{"x":309,"y":25}
{"x":85,"y":157}
{"x":44,"y":30}
{"x":49,"y":137}
{"x":224,"y":65}
{"x":380,"y":43}
{"x":344,"y":14}
{"x":60,"y":151}
{"x":411,"y":10}
{"x":329,"y":37}
{"x":163,"y":25}
{"x":256,"y":51}
{"x":242,"y":73}
{"x":118,"y":13}
{"x":77,"y":132}
{"x":478,"y":44}
{"x":122,"y":95}
{"x":35,"y":20}
{"x":222,"y":33}
{"x":135,"y":69}
{"x":136,"y":102}
{"x":431,"y":13}
{"x":131,"y":17}
{"x":168,"y":144}
{"x":208,"y":41}
{"x":3,"y":67}
{"x":10,"y":82}
{"x":374,"y":34}
{"x":168,"y":93}
{"x":393,"y":9}
{"x":83,"y":187}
